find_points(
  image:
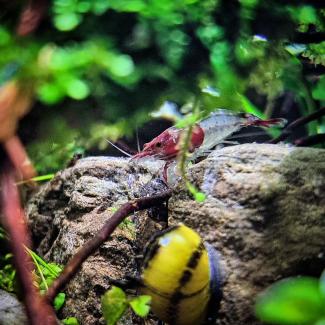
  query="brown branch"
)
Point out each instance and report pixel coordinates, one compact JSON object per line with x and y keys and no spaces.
{"x":299,"y":122}
{"x":18,"y":156}
{"x":311,"y":140}
{"x":90,"y":247}
{"x":38,"y":310}
{"x":31,"y":16}
{"x":306,"y":38}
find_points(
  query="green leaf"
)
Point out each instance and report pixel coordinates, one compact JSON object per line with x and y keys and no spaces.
{"x":67,"y":21}
{"x":59,"y":301}
{"x":307,"y":14}
{"x":320,"y":322}
{"x":43,"y":177}
{"x":100,"y":6}
{"x":37,"y":179}
{"x":55,"y":269}
{"x":70,"y":321}
{"x":121,"y":65}
{"x":5,"y":36}
{"x":291,"y":301}
{"x":249,"y":107}
{"x":77,"y":89}
{"x":50,"y":93}
{"x":199,"y":196}
{"x":318,"y":92}
{"x":114,"y":304}
{"x":83,"y":7}
{"x":188,"y":120}
{"x":141,"y":305}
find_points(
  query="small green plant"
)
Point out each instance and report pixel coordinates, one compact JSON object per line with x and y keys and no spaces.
{"x":7,"y":273}
{"x":45,"y":274}
{"x":293,"y":301}
{"x":188,"y":123}
{"x":41,"y":178}
{"x":70,"y":321}
{"x":129,"y":226}
{"x":2,"y":233}
{"x":115,"y":303}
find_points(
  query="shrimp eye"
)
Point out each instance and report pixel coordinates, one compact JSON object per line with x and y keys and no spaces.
{"x":158,"y":144}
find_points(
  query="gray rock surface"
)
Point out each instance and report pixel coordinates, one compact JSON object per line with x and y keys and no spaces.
{"x":265,"y":213}
{"x":70,"y":209}
{"x":12,"y":311}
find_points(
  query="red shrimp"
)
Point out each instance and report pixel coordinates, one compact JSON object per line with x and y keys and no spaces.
{"x":205,"y":135}
{"x":166,"y":145}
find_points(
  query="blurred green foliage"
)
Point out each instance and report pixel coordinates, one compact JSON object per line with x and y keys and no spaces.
{"x":98,"y":67}
{"x":7,"y":273}
{"x":292,"y":301}
{"x":70,"y":321}
{"x":44,"y":275}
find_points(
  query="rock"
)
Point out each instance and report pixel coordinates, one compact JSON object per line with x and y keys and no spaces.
{"x":12,"y":311}
{"x":70,"y":209}
{"x":264,"y":212}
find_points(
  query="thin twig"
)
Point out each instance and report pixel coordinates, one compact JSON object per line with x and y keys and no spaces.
{"x":92,"y":245}
{"x":31,"y":17}
{"x":307,"y":38}
{"x":38,"y":310}
{"x":183,"y":155}
{"x":311,"y":140}
{"x":18,"y":156}
{"x":299,"y":122}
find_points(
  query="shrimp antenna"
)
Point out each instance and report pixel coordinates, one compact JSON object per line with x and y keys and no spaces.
{"x":119,"y":149}
{"x":137,"y":137}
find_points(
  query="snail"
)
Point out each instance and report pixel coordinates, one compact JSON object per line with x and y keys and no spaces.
{"x":182,"y":275}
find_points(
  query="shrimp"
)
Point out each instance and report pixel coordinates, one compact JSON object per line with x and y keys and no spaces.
{"x":206,"y":134}
{"x":166,"y":145}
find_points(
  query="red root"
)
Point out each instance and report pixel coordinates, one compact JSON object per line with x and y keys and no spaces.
{"x":38,"y":310}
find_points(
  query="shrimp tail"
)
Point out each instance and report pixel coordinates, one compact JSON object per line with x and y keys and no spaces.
{"x":280,"y":122}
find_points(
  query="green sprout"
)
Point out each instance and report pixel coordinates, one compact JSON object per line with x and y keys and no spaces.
{"x":115,"y":304}
{"x":40,"y":178}
{"x":189,"y":122}
{"x":7,"y":273}
{"x":47,"y":273}
{"x":70,"y":321}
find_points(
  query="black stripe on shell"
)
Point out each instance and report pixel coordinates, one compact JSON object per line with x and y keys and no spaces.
{"x":195,"y":257}
{"x":153,"y":246}
{"x":178,"y":296}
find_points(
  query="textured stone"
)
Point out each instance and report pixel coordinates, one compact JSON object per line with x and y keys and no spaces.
{"x":70,"y":209}
{"x":264,"y":212}
{"x":11,"y":310}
